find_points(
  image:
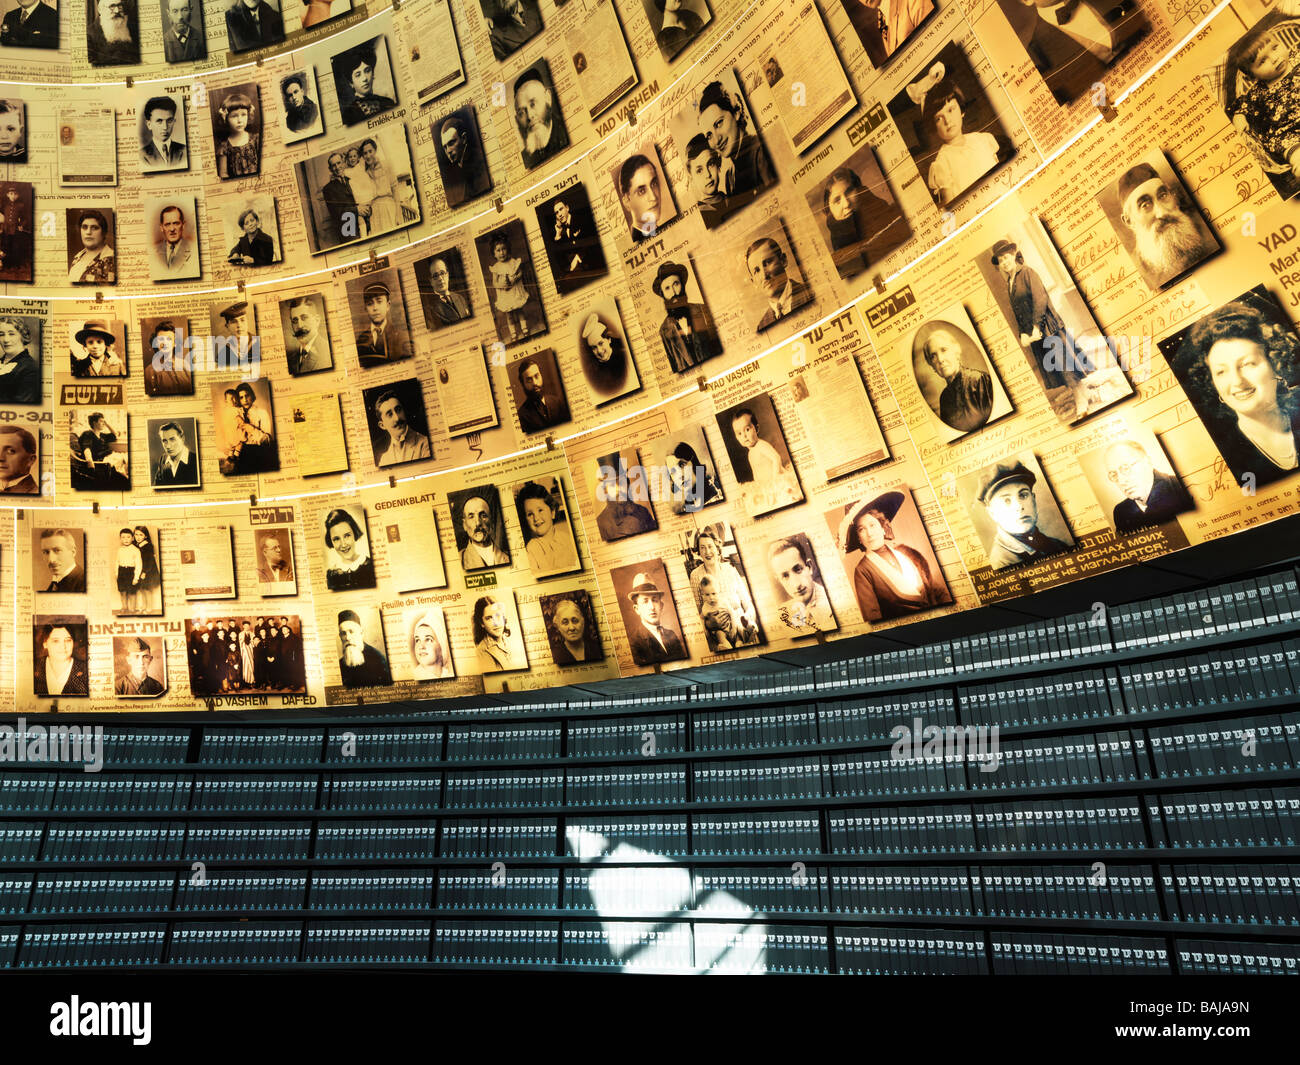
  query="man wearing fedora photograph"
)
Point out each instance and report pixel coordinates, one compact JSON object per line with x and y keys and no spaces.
{"x":1169,"y":235}
{"x":687,"y":331}
{"x":891,"y":580}
{"x":383,"y":341}
{"x":99,"y":356}
{"x":32,"y":24}
{"x":651,"y":641}
{"x":1007,"y":495}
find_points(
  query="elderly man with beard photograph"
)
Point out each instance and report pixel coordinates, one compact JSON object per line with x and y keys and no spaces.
{"x":183,"y":37}
{"x":464,"y":171}
{"x":442,"y":306}
{"x":402,"y":442}
{"x":541,"y":408}
{"x":111,"y":37}
{"x":309,"y":349}
{"x":174,"y":254}
{"x":511,"y":24}
{"x":687,"y":331}
{"x":1007,"y":494}
{"x":360,"y":665}
{"x":253,"y":24}
{"x":137,"y":682}
{"x":32,"y":24}
{"x":541,"y":126}
{"x":58,"y":547}
{"x":161,"y":151}
{"x":1166,"y":235}
{"x":479,"y":528}
{"x":20,"y":374}
{"x":300,"y":110}
{"x":766,"y":265}
{"x":17,"y":457}
{"x":1150,"y":497}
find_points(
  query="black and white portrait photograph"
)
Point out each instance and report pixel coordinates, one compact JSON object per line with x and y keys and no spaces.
{"x":430,"y":649}
{"x":1014,"y":512}
{"x":20,"y":461}
{"x":727,"y":165}
{"x":276,"y":572}
{"x":252,"y":231}
{"x":1074,"y":45}
{"x":399,"y":427}
{"x":645,"y":600}
{"x":1132,"y":479}
{"x":687,"y":461}
{"x":300,"y":113}
{"x":227,"y":655}
{"x":162,"y":133}
{"x":774,"y":286}
{"x":544,"y":518}
{"x":304,"y":14}
{"x":799,"y":589}
{"x":479,"y":526}
{"x":759,"y":456}
{"x":60,"y":656}
{"x":1158,"y":225}
{"x":511,"y":24}
{"x":174,"y":244}
{"x":444,"y":289}
{"x":887,"y":555}
{"x":506,"y":262}
{"x":139,"y":667}
{"x":243,"y":421}
{"x":621,"y":496}
{"x":643,"y":193}
{"x":306,"y":335}
{"x":20,"y":358}
{"x":16,"y":231}
{"x":112,"y":33}
{"x":59,"y":560}
{"x":721,"y":589}
{"x":137,"y":589}
{"x":604,"y":354}
{"x":234,"y":326}
{"x":539,"y":120}
{"x":379,"y":323}
{"x":237,"y":129}
{"x":676,"y":23}
{"x":173,"y":453}
{"x":857,"y":214}
{"x":1069,"y":355}
{"x":13,"y":131}
{"x":571,"y":629}
{"x":91,"y":233}
{"x":462,"y":161}
{"x":884,"y":26}
{"x":497,"y":633}
{"x":357,"y":191}
{"x":688,"y":333}
{"x":538,"y":391}
{"x":30,"y":24}
{"x":349,"y":563}
{"x":572,"y":242}
{"x":957,"y":380}
{"x":167,"y":367}
{"x":1240,"y":367}
{"x":950,"y":126}
{"x":98,"y":456}
{"x":363,"y":80}
{"x":413,"y":548}
{"x":97,"y":348}
{"x":254,"y":24}
{"x":184,"y":38}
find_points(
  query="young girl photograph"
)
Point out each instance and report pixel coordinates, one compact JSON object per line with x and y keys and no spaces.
{"x":237,"y":129}
{"x":512,"y":283}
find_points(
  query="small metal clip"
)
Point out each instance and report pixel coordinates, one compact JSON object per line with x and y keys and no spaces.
{"x":550,"y":443}
{"x":500,"y":205}
{"x":879,"y":282}
{"x":373,"y":256}
{"x":252,"y":499}
{"x":1108,"y":112}
{"x":392,"y":480}
{"x":130,"y":82}
{"x":99,"y":297}
{"x":94,"y":506}
{"x":631,"y":116}
{"x":19,"y":514}
{"x":361,"y":700}
{"x":258,"y":60}
{"x":240,"y":283}
{"x":702,"y":383}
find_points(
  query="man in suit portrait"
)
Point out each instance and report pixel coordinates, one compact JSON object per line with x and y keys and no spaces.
{"x":687,"y":331}
{"x":162,"y":151}
{"x":405,"y":442}
{"x":17,"y":457}
{"x":1007,"y":494}
{"x":59,"y":549}
{"x":179,"y":466}
{"x":511,"y":24}
{"x":766,"y":263}
{"x":442,"y":306}
{"x":174,"y":254}
{"x":481,"y":550}
{"x":111,"y":33}
{"x":541,"y":128}
{"x":383,"y":341}
{"x":252,"y":24}
{"x":309,"y":350}
{"x":183,"y":39}
{"x":32,"y":24}
{"x":340,"y":201}
{"x":273,"y":566}
{"x":136,"y":680}
{"x":1150,"y":497}
{"x":460,"y":160}
{"x":651,"y":640}
{"x":300,"y":110}
{"x":572,"y":243}
{"x":540,"y":409}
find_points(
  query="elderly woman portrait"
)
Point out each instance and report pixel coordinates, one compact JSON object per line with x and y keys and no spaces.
{"x":571,"y":629}
{"x":493,"y":639}
{"x":1237,"y":366}
{"x":59,"y":659}
{"x":348,"y":563}
{"x":891,"y":580}
{"x":94,"y":263}
{"x":254,"y":247}
{"x":548,"y":543}
{"x":430,"y":656}
{"x":20,"y":373}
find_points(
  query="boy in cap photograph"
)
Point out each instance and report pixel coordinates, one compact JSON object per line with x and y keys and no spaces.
{"x":651,"y":640}
{"x":383,"y":341}
{"x":1007,"y":495}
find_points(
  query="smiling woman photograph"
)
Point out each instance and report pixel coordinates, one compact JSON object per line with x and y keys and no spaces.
{"x":348,"y":563}
{"x":496,"y":634}
{"x":548,"y":536}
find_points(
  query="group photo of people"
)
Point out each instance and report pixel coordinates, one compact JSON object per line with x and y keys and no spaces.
{"x":233,"y":655}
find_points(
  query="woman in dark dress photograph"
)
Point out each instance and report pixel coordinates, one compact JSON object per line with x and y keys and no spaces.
{"x":573,"y":638}
{"x":862,"y":227}
{"x":254,"y":248}
{"x":349,"y":564}
{"x":891,"y":579}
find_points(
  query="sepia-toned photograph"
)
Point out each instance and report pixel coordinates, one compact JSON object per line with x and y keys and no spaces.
{"x":34,"y":24}
{"x":234,"y":325}
{"x":138,"y":583}
{"x":950,"y":127}
{"x":803,"y":607}
{"x":571,"y":629}
{"x":276,"y":573}
{"x":60,"y":655}
{"x":506,"y":263}
{"x":252,"y":231}
{"x":20,"y":357}
{"x":462,"y":160}
{"x":430,"y":649}
{"x":173,"y":453}
{"x":621,"y":497}
{"x":884,"y":26}
{"x":687,"y":332}
{"x":59,"y":560}
{"x":544,"y":518}
{"x":139,"y":667}
{"x":184,"y":38}
{"x":363,"y":654}
{"x":13,"y":131}
{"x":98,"y":456}
{"x":444,"y":289}
{"x":20,"y":461}
{"x":857,"y":214}
{"x":676,"y":23}
{"x":237,"y":129}
{"x":955,"y":376}
{"x":300,"y":110}
{"x":17,"y":231}
{"x":887,"y":556}
{"x":498,"y":636}
{"x":685,"y":457}
{"x":379,"y":322}
{"x":316,"y":425}
{"x":112,"y":33}
{"x":571,"y":239}
{"x":511,"y":24}
{"x":399,"y":427}
{"x":162,"y":134}
{"x":722,"y":597}
{"x":1156,"y":221}
{"x":1014,"y":512}
{"x":91,"y":259}
{"x":538,"y":392}
{"x":253,"y":24}
{"x":349,"y":563}
{"x":174,"y":240}
{"x":243,"y":421}
{"x":479,"y":526}
{"x":363,"y":80}
{"x":654,"y":632}
{"x":760,"y":458}
{"x":97,"y":348}
{"x":306,"y":334}
{"x":643,"y":193}
{"x":166,"y":365}
{"x":775,"y":287}
{"x":606,"y":359}
{"x":230,"y":655}
{"x":539,"y":120}
{"x":1132,"y":480}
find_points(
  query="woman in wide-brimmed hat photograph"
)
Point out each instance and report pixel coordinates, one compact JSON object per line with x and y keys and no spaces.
{"x":891,"y":579}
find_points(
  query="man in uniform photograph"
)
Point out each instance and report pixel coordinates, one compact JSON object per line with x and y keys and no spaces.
{"x":137,"y":681}
{"x":687,"y":331}
{"x":1007,"y":494}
